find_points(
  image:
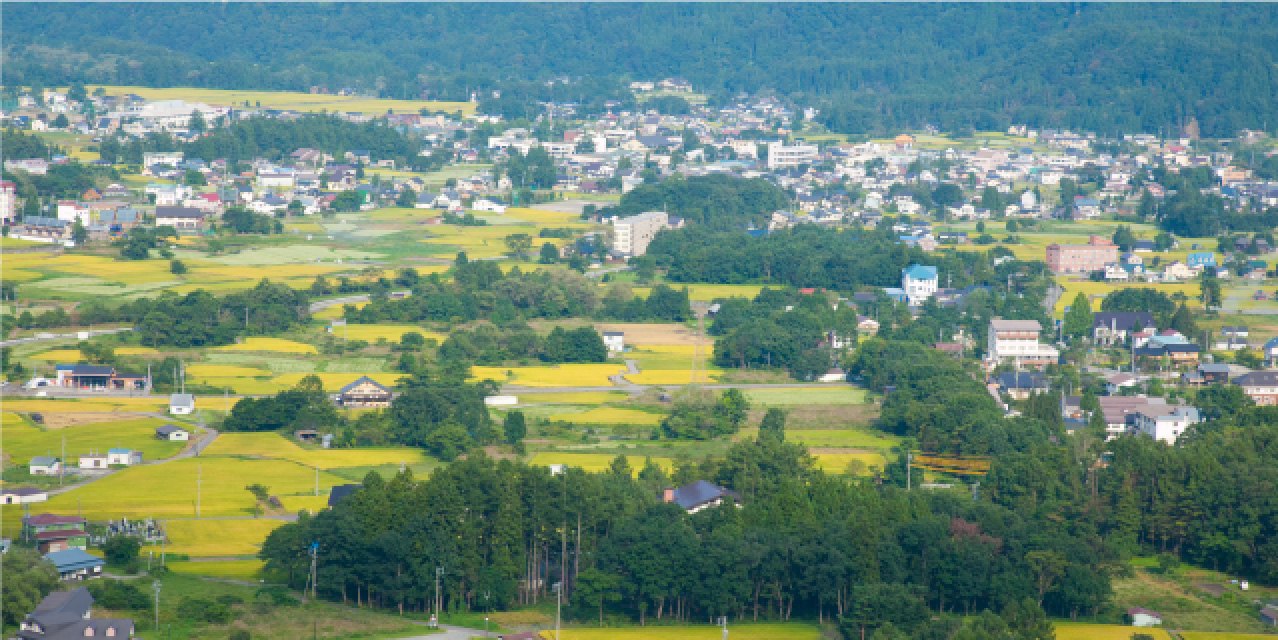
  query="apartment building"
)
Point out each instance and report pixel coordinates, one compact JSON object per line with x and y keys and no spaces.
{"x":782,"y":156}
{"x":1081,"y":258}
{"x":630,"y":236}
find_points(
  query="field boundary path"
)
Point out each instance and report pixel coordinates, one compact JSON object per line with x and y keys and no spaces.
{"x":44,"y":337}
{"x":321,"y":305}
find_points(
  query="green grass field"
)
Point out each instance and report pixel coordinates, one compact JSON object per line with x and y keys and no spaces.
{"x":22,"y":441}
{"x":609,"y":415}
{"x":277,"y":447}
{"x":230,"y":569}
{"x":835,"y":395}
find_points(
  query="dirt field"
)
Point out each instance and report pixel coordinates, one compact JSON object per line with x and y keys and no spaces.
{"x":61,"y":420}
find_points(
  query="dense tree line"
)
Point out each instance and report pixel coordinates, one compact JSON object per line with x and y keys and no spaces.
{"x":803,"y":545}
{"x":782,"y":329}
{"x":954,"y":66}
{"x":489,"y":345}
{"x":275,"y":138}
{"x":479,"y":290}
{"x":304,"y":407}
{"x":715,"y":201}
{"x":201,"y":319}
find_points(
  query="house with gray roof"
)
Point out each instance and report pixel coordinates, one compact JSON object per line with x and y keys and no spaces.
{"x":700,"y":495}
{"x":64,"y":615}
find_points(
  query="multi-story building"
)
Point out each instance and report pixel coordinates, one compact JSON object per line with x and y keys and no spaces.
{"x":919,"y":283}
{"x":1016,"y":341}
{"x":8,"y":201}
{"x":1081,"y":258}
{"x":782,"y":156}
{"x":630,"y":236}
{"x":1165,"y":425}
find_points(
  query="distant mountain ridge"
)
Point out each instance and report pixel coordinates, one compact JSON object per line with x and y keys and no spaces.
{"x":1104,"y":67}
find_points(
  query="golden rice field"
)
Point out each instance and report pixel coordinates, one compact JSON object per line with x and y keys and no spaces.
{"x":228,"y":569}
{"x":335,"y":381}
{"x":337,"y":311}
{"x":609,"y":415}
{"x":784,"y":631}
{"x":1082,"y":631}
{"x":169,"y":490}
{"x":1220,"y":635}
{"x":564,"y":375}
{"x":22,"y":441}
{"x":389,"y":332}
{"x":579,"y":397}
{"x":290,"y":100}
{"x":135,"y":351}
{"x":249,"y":386}
{"x":313,"y":504}
{"x":838,"y":462}
{"x":275,"y":446}
{"x":204,"y":538}
{"x":87,"y":405}
{"x":270,"y":344}
{"x":708,"y":292}
{"x":594,"y":462}
{"x":58,"y":355}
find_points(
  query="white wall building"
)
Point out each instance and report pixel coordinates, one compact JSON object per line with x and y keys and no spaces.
{"x":782,"y":156}
{"x":1165,"y":425}
{"x":614,"y":340}
{"x":171,"y":158}
{"x":1017,"y":341}
{"x":632,"y":235}
{"x":919,"y":283}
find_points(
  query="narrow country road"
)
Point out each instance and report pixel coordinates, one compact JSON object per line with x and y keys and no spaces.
{"x":320,"y":305}
{"x":45,"y":337}
{"x":200,"y":444}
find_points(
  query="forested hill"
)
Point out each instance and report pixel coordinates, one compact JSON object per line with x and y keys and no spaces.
{"x":1102,"y":67}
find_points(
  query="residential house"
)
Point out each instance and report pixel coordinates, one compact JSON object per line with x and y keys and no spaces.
{"x":364,"y":393}
{"x":64,"y":615}
{"x":44,"y":466}
{"x":700,"y":495}
{"x":489,"y":204}
{"x":1165,"y":425}
{"x":1201,"y":259}
{"x":1110,"y":327}
{"x":1020,"y":385}
{"x":93,"y":460}
{"x":1269,"y":616}
{"x":75,"y":564}
{"x":1270,"y":351}
{"x":44,"y":229}
{"x":340,"y":491}
{"x":22,"y":495}
{"x":122,"y":456}
{"x":615,"y":341}
{"x":181,"y":404}
{"x":919,"y":283}
{"x":1115,"y":384}
{"x":1208,"y":373}
{"x":1119,"y":412}
{"x":180,"y":218}
{"x":1260,"y":386}
{"x":172,"y":432}
{"x":54,"y":533}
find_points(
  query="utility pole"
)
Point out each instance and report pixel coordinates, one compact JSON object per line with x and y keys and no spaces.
{"x":62,"y":464}
{"x":909,"y":463}
{"x":156,"y":586}
{"x":317,"y":481}
{"x":439,"y":572}
{"x":199,"y":478}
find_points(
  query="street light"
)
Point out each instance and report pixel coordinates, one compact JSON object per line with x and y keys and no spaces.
{"x":486,"y":626}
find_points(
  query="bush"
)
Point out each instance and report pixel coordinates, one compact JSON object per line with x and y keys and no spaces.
{"x":118,"y":594}
{"x":204,"y":610}
{"x":239,"y":634}
{"x":121,"y":550}
{"x":279,"y":596}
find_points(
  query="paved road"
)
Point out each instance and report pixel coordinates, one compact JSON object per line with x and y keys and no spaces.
{"x":45,"y":337}
{"x":320,"y":305}
{"x":201,"y":444}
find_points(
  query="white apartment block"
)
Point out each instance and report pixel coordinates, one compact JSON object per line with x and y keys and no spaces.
{"x":781,"y":156}
{"x":1165,"y":425}
{"x":630,"y":236}
{"x":1017,"y":341}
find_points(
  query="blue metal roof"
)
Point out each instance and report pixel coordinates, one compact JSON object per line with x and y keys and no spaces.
{"x":73,"y":559}
{"x":919,"y":272}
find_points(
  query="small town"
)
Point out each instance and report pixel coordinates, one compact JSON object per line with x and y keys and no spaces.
{"x":361,"y":321}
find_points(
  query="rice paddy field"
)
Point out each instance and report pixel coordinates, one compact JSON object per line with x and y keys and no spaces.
{"x":708,"y":292}
{"x":269,"y":344}
{"x":787,"y":631}
{"x":229,"y":569}
{"x":216,"y":538}
{"x":22,"y":441}
{"x":169,"y":490}
{"x":1083,"y":631}
{"x":1217,"y":635}
{"x":276,"y":447}
{"x":86,"y":405}
{"x":780,"y":397}
{"x":290,"y":100}
{"x":564,"y":375}
{"x":388,"y":332}
{"x":580,"y":397}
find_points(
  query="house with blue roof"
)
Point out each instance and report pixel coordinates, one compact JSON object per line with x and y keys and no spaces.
{"x":1201,"y":259}
{"x":700,"y":495}
{"x":75,"y":564}
{"x":919,"y":283}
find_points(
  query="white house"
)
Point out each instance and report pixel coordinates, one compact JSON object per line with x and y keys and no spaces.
{"x":614,"y":340}
{"x":1163,"y":424}
{"x":919,"y":283}
{"x":23,"y":495}
{"x":1144,"y":617}
{"x":181,"y":404}
{"x":488,"y":204}
{"x":170,"y":158}
{"x":125,"y":457}
{"x":94,"y":461}
{"x":45,"y":466}
{"x":1017,"y":341}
